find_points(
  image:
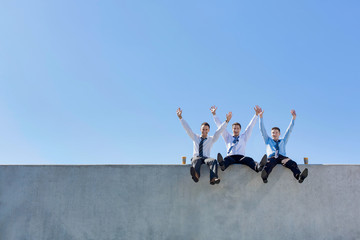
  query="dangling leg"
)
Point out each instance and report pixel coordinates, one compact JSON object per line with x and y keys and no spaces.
{"x":212,"y":163}
{"x":195,"y":168}
{"x":271,"y":163}
{"x":292,"y":165}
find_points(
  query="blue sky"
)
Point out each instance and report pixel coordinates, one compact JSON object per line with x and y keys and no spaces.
{"x":99,"y":82}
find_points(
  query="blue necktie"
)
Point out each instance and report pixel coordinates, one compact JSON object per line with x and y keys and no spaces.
{"x":201,"y":147}
{"x":236,"y":139}
{"x":277,"y":148}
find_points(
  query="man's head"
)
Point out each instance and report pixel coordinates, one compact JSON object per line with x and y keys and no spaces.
{"x":236,"y":128}
{"x":205,"y":128}
{"x":275,"y":133}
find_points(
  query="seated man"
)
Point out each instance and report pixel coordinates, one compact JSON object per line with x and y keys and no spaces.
{"x":202,"y":146}
{"x":275,"y":150}
{"x":236,"y":144}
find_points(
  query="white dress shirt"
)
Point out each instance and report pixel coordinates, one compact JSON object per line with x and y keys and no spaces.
{"x":208,"y":143}
{"x":240,"y":146}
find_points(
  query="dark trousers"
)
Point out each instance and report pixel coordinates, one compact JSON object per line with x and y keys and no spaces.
{"x":286,"y":162}
{"x":240,"y":159}
{"x":211,"y":162}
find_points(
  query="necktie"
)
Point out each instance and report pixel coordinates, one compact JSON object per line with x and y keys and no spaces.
{"x":277,"y":148}
{"x":201,"y":147}
{"x":236,"y":139}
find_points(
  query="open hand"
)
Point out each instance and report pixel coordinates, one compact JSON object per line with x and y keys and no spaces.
{"x":228,"y":116}
{"x":213,"y":110}
{"x":179,"y":113}
{"x":258,"y":110}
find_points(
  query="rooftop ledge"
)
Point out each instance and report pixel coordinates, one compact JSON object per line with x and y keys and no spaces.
{"x":156,"y":201}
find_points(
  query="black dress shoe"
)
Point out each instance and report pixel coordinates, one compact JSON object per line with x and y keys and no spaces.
{"x":215,"y":181}
{"x":303,"y":175}
{"x":221,"y":162}
{"x":264,"y":176}
{"x":193,"y":174}
{"x":262,"y":163}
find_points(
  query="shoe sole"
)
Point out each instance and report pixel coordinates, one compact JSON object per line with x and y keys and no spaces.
{"x":263,"y":161}
{"x":221,"y":161}
{"x":264,"y":176}
{"x":193,"y":174}
{"x":303,"y":175}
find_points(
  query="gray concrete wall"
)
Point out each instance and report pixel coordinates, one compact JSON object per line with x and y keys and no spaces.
{"x":162,"y":202}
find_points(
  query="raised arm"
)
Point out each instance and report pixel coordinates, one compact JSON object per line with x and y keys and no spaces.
{"x":262,"y":127}
{"x":185,"y":125}
{"x":225,"y":134}
{"x":216,"y":118}
{"x":291,"y":126}
{"x":222,"y":126}
{"x":249,"y":128}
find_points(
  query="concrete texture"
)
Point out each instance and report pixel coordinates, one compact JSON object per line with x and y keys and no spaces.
{"x":162,"y":202}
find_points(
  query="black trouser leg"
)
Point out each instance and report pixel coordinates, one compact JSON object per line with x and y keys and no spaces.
{"x":292,"y":165}
{"x":231,"y":160}
{"x":271,"y":163}
{"x":212,"y":163}
{"x":249,"y":162}
{"x":196,"y":163}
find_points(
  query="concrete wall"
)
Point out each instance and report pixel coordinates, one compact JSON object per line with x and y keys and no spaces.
{"x":162,"y":202}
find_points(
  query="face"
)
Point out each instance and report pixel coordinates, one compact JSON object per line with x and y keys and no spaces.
{"x":275,"y":134}
{"x":204,"y":130}
{"x":236,"y":130}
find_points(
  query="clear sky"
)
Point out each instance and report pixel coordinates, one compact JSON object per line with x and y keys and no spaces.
{"x":99,"y":82}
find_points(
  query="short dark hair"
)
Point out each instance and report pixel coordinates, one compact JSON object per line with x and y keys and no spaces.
{"x":206,"y":124}
{"x":236,"y":124}
{"x":275,"y":128}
